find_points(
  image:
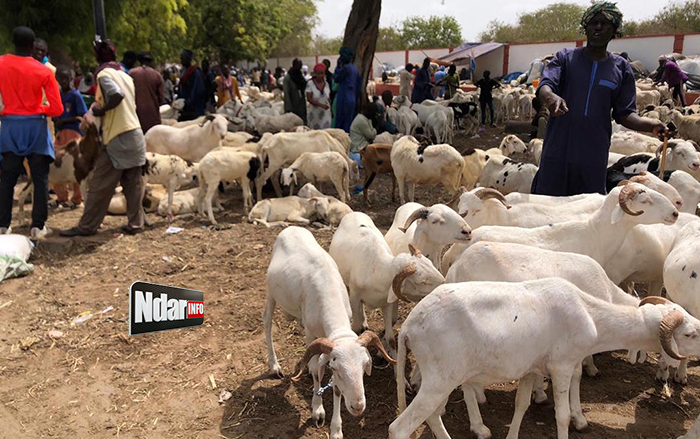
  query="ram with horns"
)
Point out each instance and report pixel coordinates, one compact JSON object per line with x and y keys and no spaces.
{"x":304,"y":281}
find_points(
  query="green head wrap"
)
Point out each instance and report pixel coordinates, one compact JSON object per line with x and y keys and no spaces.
{"x":609,"y":10}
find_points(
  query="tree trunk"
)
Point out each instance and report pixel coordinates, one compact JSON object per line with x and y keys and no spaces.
{"x":361,"y":33}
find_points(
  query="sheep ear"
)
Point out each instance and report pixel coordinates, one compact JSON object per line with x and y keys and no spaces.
{"x":392,"y":297}
{"x":617,"y":215}
{"x":368,"y":367}
{"x":294,"y":174}
{"x":323,"y":360}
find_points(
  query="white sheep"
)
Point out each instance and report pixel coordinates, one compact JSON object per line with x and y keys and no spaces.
{"x":172,"y":111}
{"x":509,"y":145}
{"x":414,"y":164}
{"x":694,"y":432}
{"x":631,"y":142}
{"x":320,"y":167}
{"x":407,"y":121}
{"x":283,"y":149}
{"x":304,"y":281}
{"x":535,"y":148}
{"x":336,"y":208}
{"x":518,"y":198}
{"x":436,"y":126}
{"x":599,"y":236}
{"x":372,"y":272}
{"x":481,"y":333}
{"x":474,"y":163}
{"x":226,"y":165}
{"x":507,"y":175}
{"x":641,"y":256}
{"x":429,"y":229}
{"x":525,"y":107}
{"x":279,"y":211}
{"x":681,"y":155}
{"x":687,"y":186}
{"x":191,"y":143}
{"x":184,"y":202}
{"x":681,"y":270}
{"x":170,"y":171}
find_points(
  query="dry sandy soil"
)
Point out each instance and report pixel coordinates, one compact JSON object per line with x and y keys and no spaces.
{"x":96,"y":381}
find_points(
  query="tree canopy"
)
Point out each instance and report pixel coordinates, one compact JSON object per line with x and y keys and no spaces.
{"x":561,"y":21}
{"x":431,"y":32}
{"x":225,"y":30}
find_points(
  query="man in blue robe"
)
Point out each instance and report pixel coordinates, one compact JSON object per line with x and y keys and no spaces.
{"x":349,"y":88}
{"x":582,"y":87}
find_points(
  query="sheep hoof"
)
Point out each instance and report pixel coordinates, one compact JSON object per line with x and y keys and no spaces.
{"x":592,"y":371}
{"x":580,"y":422}
{"x":320,"y":419}
{"x":481,"y":432}
{"x":540,"y":396}
{"x":681,"y":379}
{"x":662,"y":375}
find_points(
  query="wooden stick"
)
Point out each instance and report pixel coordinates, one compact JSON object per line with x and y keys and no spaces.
{"x":663,"y":158}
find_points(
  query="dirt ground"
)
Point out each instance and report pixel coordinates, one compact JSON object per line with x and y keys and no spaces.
{"x":96,"y":381}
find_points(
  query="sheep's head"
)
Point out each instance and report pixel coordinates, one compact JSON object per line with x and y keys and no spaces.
{"x":438,"y":225}
{"x":644,"y":205}
{"x":512,"y":144}
{"x":348,"y":360}
{"x":416,"y":277}
{"x":653,"y":182}
{"x":287,"y":175}
{"x":178,"y":104}
{"x":679,"y":332}
{"x":320,"y":207}
{"x":476,"y":202}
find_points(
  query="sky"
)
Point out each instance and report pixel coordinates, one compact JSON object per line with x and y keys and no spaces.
{"x":472,"y":15}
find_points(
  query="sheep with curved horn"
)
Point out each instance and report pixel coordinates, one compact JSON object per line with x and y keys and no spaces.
{"x":557,"y":326}
{"x":369,"y":269}
{"x":304,"y":281}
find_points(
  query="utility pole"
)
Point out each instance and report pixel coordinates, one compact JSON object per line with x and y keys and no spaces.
{"x":98,"y":11}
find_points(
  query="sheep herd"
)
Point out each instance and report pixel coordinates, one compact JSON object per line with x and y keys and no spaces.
{"x":506,"y":285}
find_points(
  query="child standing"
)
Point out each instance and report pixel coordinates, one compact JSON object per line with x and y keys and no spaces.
{"x":68,"y":127}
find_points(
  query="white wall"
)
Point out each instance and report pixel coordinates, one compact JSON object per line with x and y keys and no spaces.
{"x":521,"y":55}
{"x":647,"y":49}
{"x":492,"y":61}
{"x":691,"y":45}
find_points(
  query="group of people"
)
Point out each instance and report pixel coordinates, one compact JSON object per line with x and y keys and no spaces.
{"x":425,"y":82}
{"x":332,"y":98}
{"x":43,"y":112}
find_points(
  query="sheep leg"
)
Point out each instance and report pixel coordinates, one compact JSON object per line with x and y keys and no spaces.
{"x":247,"y":195}
{"x":318,"y":414}
{"x":260,"y":182}
{"x":389,"y":339}
{"x":393,"y":188}
{"x":272,"y":362}
{"x":435,"y":423}
{"x":338,"y":184}
{"x":662,"y":373}
{"x":211,"y":191}
{"x":522,"y":402}
{"x":538,"y":393}
{"x":476,"y":423}
{"x":412,"y":192}
{"x":368,"y":181}
{"x":276,"y":184}
{"x":589,"y":364}
{"x":655,"y":288}
{"x":336,"y":421}
{"x":359,"y":319}
{"x":22,"y":198}
{"x":429,"y":399}
{"x":402,"y":196}
{"x":580,"y":422}
{"x":296,"y":217}
{"x":171,"y":190}
{"x":480,"y":395}
{"x":681,"y":375}
{"x":561,"y":383}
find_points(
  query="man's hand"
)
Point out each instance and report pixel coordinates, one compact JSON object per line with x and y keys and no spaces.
{"x":660,"y":130}
{"x":97,"y":110}
{"x":557,"y":105}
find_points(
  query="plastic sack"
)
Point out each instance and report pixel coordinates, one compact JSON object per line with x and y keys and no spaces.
{"x":13,"y":266}
{"x":16,"y":245}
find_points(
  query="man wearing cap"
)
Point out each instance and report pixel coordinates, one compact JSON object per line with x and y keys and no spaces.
{"x":24,"y":133}
{"x":581,"y":87}
{"x":123,"y":150}
{"x":150,"y":92}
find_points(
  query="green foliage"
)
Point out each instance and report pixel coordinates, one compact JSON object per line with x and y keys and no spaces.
{"x":390,"y":38}
{"x":558,"y":21}
{"x":424,"y":33}
{"x":324,"y":46}
{"x":224,"y":30}
{"x":561,"y":21}
{"x":676,"y":17}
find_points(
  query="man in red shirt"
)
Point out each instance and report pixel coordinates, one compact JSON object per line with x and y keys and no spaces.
{"x":24,"y":133}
